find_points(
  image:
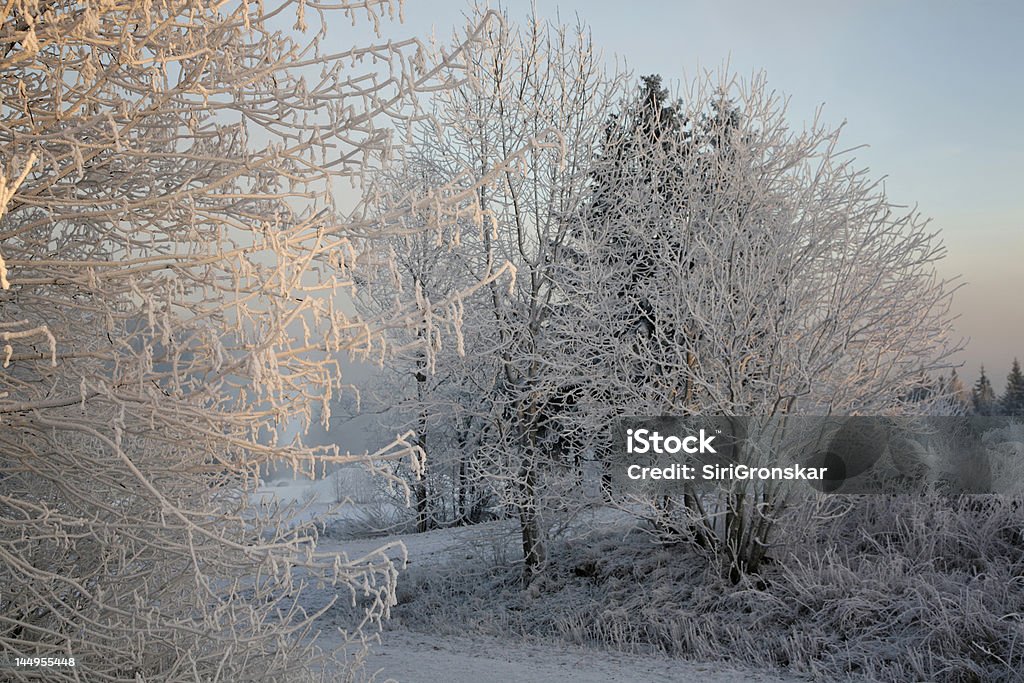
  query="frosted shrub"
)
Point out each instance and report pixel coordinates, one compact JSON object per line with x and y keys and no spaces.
{"x":728,"y":264}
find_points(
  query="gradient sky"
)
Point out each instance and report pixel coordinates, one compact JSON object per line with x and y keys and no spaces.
{"x":935,"y":89}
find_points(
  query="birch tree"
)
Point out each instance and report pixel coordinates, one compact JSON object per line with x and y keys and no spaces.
{"x":174,"y":273}
{"x":427,"y":387}
{"x":734,"y":266}
{"x":539,"y":86}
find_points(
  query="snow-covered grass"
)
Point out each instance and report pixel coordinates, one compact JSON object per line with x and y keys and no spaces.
{"x":897,"y":590}
{"x":893,"y":590}
{"x":444,"y":645}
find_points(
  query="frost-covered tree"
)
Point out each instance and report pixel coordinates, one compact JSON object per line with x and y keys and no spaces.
{"x":540,"y":86}
{"x":650,"y":153}
{"x":174,"y":279}
{"x":1012,"y":400}
{"x":983,"y":396}
{"x":741,"y":267}
{"x":435,"y":390}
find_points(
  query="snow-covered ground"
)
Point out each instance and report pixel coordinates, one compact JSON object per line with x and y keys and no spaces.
{"x":409,"y":656}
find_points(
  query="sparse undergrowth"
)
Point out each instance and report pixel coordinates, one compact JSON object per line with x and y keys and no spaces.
{"x":894,"y":590}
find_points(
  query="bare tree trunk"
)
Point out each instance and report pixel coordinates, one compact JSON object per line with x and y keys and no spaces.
{"x":529,"y":525}
{"x":422,"y":494}
{"x":461,"y":488}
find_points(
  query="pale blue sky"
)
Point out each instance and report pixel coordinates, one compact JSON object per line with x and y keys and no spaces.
{"x":935,"y":89}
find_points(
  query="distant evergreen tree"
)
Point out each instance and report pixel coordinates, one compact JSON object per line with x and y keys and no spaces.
{"x":983,"y":397}
{"x":1013,"y":397}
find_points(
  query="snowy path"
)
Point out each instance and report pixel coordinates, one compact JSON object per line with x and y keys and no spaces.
{"x":424,"y":658}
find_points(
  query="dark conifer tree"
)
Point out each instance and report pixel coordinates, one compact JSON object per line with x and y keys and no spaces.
{"x":983,"y":397}
{"x":1013,"y":397}
{"x":652,"y":150}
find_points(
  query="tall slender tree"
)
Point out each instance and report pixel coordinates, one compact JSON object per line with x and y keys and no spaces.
{"x":983,"y":396}
{"x":542,"y":84}
{"x":1013,"y":398}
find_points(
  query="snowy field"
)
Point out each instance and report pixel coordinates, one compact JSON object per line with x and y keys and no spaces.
{"x":405,"y":654}
{"x":924,"y":585}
